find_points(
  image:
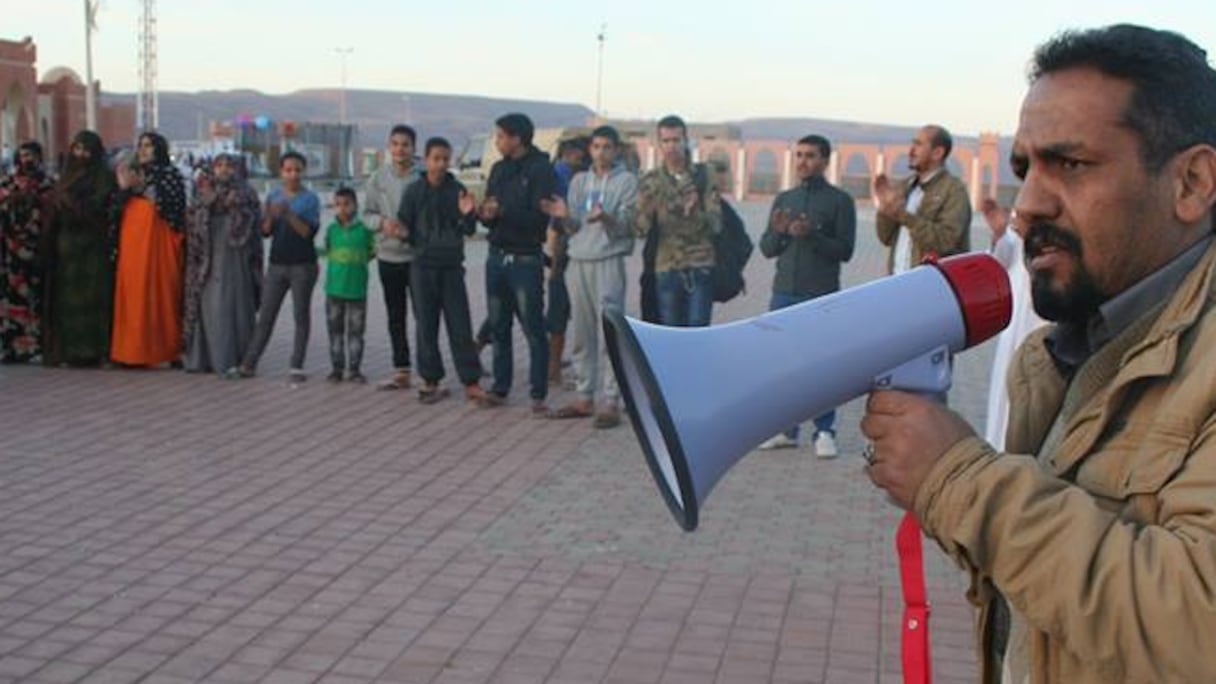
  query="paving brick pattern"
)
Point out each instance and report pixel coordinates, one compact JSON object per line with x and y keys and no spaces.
{"x":159,"y":527}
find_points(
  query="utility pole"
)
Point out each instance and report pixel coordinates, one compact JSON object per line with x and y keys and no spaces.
{"x":147,"y":104}
{"x":343,"y":53}
{"x":90,"y":96}
{"x":599,"y":76}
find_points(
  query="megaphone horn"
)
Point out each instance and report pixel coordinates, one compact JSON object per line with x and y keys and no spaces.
{"x":700,"y":399}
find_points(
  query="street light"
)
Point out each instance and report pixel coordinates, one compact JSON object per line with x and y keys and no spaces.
{"x":599,"y":77}
{"x":90,"y":97}
{"x":343,"y":53}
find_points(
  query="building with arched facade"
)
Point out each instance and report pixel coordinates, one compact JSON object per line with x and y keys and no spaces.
{"x":761,"y":168}
{"x":51,"y":110}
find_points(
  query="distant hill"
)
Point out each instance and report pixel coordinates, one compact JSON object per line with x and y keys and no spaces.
{"x":184,"y":116}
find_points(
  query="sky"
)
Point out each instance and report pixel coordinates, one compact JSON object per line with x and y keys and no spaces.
{"x":958,"y":63}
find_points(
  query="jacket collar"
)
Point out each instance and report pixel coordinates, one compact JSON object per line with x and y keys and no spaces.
{"x":815,"y":183}
{"x":1155,"y":355}
{"x":935,"y":177}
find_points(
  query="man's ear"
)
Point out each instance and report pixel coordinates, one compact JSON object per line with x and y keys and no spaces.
{"x":1195,"y":183}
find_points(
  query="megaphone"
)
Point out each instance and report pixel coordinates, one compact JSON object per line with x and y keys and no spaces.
{"x":700,"y":399}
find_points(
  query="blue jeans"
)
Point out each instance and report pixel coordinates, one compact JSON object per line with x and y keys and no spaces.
{"x":686,"y":297}
{"x":827,"y":421}
{"x":515,"y":288}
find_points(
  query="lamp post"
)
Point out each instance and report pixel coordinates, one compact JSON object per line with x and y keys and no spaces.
{"x":599,"y":75}
{"x":343,"y":53}
{"x":90,"y":97}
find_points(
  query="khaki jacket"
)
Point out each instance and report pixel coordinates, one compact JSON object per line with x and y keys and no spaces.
{"x":941,"y":225}
{"x":1105,"y":547}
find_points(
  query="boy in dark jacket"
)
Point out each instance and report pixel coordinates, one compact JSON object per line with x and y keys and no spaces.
{"x":514,"y":266}
{"x":436,"y":214}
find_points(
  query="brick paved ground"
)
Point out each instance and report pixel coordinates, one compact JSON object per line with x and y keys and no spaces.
{"x":159,"y":527}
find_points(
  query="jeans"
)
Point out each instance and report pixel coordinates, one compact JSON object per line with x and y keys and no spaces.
{"x":439,"y":290}
{"x":686,"y":297}
{"x":395,"y":279}
{"x":827,"y":421}
{"x":515,"y":288}
{"x":300,"y":279}
{"x":346,"y":320}
{"x":557,"y":315}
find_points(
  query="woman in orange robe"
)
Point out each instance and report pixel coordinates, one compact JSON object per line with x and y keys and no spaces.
{"x":151,"y":261}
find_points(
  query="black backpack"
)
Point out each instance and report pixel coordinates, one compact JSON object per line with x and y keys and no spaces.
{"x":732,"y":248}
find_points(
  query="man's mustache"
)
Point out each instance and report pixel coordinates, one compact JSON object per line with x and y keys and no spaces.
{"x":1042,"y":235}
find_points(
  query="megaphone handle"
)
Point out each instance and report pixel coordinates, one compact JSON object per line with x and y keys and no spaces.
{"x":915,"y":627}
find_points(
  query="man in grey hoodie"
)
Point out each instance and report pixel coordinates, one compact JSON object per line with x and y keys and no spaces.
{"x":385,"y":189}
{"x":598,"y":214}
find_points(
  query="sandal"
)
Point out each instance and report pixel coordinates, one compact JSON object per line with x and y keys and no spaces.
{"x":473,"y":392}
{"x":570,"y":411}
{"x":432,"y":394}
{"x":607,"y":419}
{"x":400,"y":381}
{"x":492,"y":400}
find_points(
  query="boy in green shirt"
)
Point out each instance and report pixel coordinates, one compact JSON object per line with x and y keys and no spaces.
{"x":349,"y":246}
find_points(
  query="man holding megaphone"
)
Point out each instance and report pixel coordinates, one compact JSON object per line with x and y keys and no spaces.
{"x":1091,"y":543}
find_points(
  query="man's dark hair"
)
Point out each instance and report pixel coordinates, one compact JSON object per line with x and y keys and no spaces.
{"x":819,"y":142}
{"x":1173,"y":101}
{"x":608,"y":133}
{"x":347,"y":192}
{"x":437,"y":141}
{"x":517,"y":125}
{"x":940,"y":137}
{"x":407,"y":131}
{"x":580,"y":143}
{"x":292,"y":154}
{"x":672,"y":121}
{"x":32,"y":146}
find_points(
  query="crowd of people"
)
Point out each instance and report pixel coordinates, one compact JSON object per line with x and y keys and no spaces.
{"x":133,"y":264}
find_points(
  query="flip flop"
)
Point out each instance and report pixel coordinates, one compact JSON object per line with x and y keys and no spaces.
{"x":569,"y":411}
{"x":431,"y":395}
{"x":606,"y":420}
{"x":399,"y":381}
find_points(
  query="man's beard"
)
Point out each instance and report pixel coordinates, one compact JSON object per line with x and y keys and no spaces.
{"x":29,"y":167}
{"x":1081,"y":297}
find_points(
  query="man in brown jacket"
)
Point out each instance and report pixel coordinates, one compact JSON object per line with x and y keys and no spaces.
{"x":1091,"y":544}
{"x":928,"y":213}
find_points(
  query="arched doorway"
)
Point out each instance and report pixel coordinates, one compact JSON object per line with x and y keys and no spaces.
{"x":766,"y":174}
{"x":855,"y":173}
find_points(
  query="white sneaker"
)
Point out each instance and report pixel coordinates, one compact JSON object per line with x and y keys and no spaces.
{"x":825,"y":445}
{"x":778,"y":441}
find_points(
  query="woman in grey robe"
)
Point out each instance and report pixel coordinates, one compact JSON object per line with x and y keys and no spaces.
{"x":223,"y":268}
